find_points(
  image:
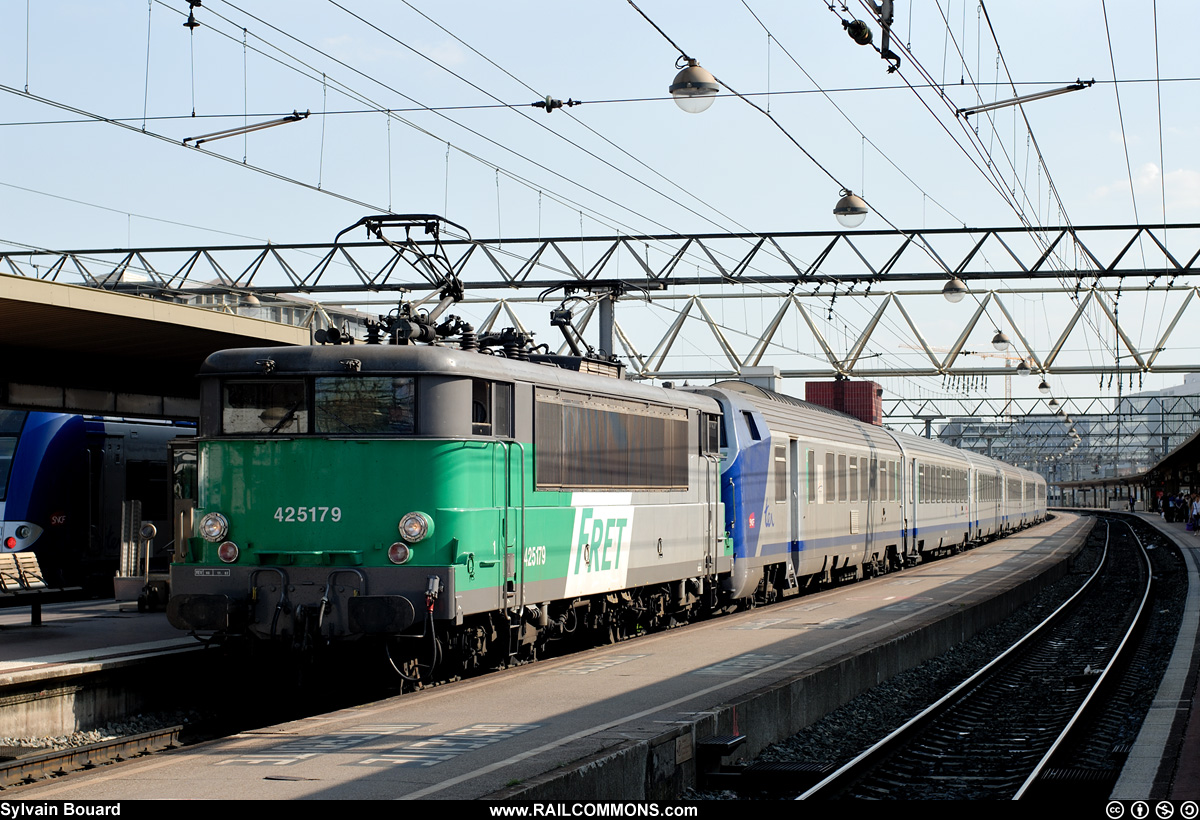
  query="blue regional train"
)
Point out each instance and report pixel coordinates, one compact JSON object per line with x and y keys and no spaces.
{"x":63,"y":480}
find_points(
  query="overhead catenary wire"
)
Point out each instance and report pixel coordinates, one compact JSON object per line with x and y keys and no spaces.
{"x":995,"y":179}
{"x":509,"y":210}
{"x":346,"y":65}
{"x":507,"y":105}
{"x":535,"y":91}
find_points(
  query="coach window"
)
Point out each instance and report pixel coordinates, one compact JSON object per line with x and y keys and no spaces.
{"x":853,"y":478}
{"x":841,"y":477}
{"x":781,"y":493}
{"x":264,"y":407}
{"x":830,"y":477}
{"x":811,"y":458}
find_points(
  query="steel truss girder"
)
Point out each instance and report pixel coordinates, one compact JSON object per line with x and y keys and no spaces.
{"x":808,"y":267}
{"x":768,"y":257}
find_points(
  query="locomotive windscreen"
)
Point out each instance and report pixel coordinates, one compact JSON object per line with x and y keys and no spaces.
{"x":11,"y":422}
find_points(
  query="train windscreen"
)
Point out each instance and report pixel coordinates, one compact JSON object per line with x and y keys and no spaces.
{"x":11,"y":422}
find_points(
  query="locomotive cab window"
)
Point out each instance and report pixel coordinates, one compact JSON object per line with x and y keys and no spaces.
{"x":11,"y":422}
{"x":754,"y":434}
{"x":481,"y":407}
{"x":264,"y":407}
{"x":378,"y":405}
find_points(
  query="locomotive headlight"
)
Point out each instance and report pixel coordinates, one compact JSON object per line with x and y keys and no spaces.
{"x":214,"y":527}
{"x":416,"y":526}
{"x":23,"y":531}
{"x":399,"y":552}
{"x":228,"y":552}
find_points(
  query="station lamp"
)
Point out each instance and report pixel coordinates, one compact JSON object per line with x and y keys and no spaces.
{"x":694,"y":88}
{"x":955,"y":290}
{"x":1044,"y":388}
{"x":1000,"y":340}
{"x":850,"y":210}
{"x":1023,"y":369}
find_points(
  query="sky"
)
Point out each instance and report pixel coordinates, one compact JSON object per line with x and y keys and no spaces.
{"x":625,"y":161}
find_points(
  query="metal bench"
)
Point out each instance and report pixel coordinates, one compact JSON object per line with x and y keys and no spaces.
{"x":22,"y":584}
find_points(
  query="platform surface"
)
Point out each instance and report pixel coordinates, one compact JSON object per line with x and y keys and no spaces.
{"x":81,"y":636}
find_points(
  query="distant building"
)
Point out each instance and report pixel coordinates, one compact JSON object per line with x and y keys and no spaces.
{"x":1143,"y":428}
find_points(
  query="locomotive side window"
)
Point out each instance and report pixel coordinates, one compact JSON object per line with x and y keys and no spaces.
{"x":262,"y":407}
{"x":365,"y":405}
{"x":598,"y":442}
{"x":502,"y":417}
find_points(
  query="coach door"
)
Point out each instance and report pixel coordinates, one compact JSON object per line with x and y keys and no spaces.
{"x":871,"y":530}
{"x":714,"y":530}
{"x":795,"y":531}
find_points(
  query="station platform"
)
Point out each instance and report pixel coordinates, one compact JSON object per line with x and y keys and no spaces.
{"x":631,"y":721}
{"x":1165,"y":761}
{"x":48,"y":672}
{"x":81,"y":630}
{"x":80,"y":633}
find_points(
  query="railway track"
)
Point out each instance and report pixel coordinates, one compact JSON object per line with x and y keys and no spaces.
{"x":60,"y":762}
{"x":1023,"y":714}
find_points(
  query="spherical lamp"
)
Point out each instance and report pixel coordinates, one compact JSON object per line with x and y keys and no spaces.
{"x":955,"y":290}
{"x":850,"y":210}
{"x":694,"y":88}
